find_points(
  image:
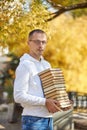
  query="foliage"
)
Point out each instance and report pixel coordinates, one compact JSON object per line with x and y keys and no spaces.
{"x":10,"y":11}
{"x":71,"y":4}
{"x":9,"y":89}
{"x":67,"y":2}
{"x":15,"y":34}
{"x":8,"y":75}
{"x":67,"y":49}
{"x":15,"y":22}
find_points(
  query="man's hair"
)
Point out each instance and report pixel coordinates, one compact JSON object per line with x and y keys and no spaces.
{"x":36,"y":31}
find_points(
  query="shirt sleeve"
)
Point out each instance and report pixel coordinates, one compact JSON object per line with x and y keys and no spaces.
{"x":21,"y":86}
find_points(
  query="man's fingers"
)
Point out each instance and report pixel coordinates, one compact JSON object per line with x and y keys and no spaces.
{"x":58,"y":108}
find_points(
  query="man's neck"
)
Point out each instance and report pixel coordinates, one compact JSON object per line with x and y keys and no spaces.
{"x":35,"y":57}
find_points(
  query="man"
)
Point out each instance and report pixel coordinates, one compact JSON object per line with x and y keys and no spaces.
{"x":37,"y":110}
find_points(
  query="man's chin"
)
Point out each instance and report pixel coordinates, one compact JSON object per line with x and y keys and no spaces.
{"x":41,"y":52}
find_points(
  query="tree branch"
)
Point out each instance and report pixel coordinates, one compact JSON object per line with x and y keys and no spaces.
{"x":62,"y":9}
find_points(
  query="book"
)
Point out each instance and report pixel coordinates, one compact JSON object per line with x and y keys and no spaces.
{"x":49,"y":70}
{"x":53,"y":85}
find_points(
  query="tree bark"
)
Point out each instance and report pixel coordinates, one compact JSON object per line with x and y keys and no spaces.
{"x":62,"y":9}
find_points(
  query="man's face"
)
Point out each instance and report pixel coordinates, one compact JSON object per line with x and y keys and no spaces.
{"x":37,"y":44}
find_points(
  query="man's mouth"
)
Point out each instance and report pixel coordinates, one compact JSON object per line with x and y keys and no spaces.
{"x":40,"y":50}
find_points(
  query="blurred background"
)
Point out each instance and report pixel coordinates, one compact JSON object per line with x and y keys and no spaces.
{"x":67,"y":39}
{"x":65,"y":23}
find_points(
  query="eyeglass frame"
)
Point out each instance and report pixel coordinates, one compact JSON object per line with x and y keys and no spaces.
{"x":38,"y":41}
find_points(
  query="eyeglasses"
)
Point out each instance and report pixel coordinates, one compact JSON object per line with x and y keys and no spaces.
{"x":38,"y":42}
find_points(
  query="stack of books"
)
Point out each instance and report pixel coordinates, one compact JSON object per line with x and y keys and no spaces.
{"x":53,"y":84}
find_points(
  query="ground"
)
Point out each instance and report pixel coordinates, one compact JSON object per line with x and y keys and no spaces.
{"x":5,"y":117}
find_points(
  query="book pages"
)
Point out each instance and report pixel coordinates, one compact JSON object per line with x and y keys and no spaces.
{"x":53,"y":84}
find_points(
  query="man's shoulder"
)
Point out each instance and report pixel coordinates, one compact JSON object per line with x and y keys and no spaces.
{"x":25,"y":64}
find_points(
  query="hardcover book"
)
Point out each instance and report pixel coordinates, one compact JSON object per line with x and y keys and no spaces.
{"x":53,"y":84}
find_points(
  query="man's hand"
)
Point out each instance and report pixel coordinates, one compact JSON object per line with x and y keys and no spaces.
{"x":52,"y":105}
{"x":69,"y":107}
